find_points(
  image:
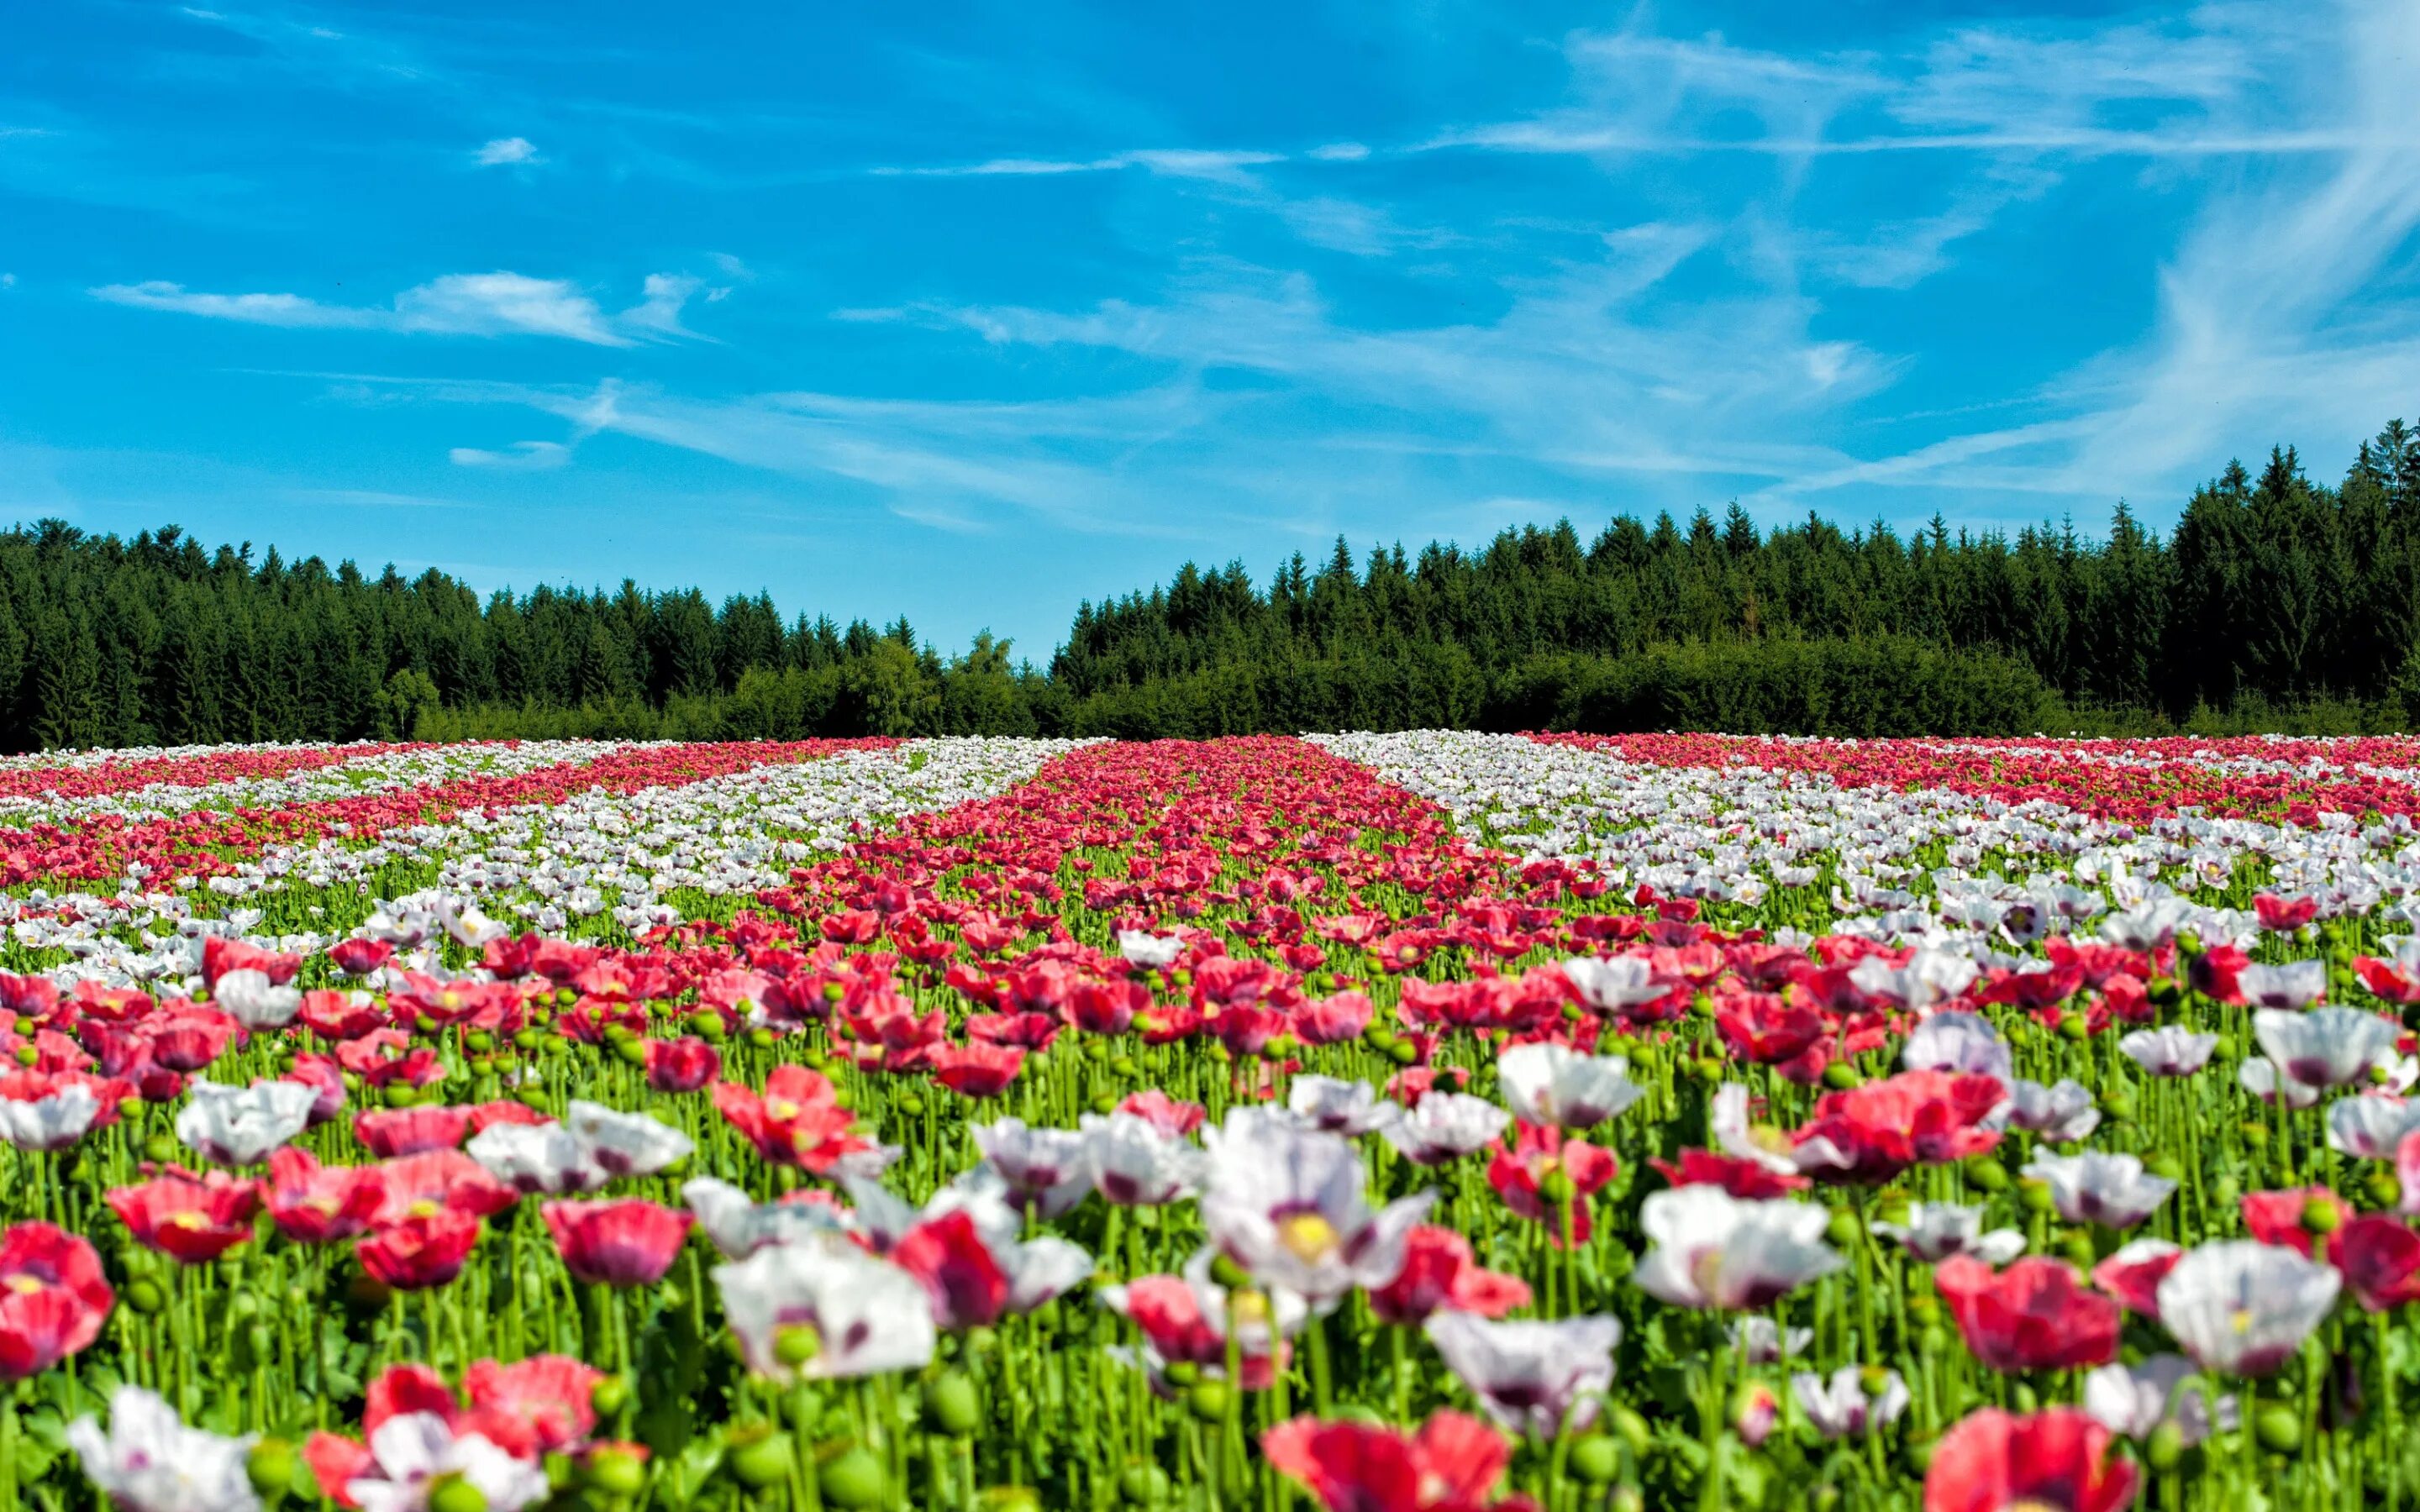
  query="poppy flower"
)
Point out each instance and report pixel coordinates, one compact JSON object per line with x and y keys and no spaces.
{"x":389,"y":1133}
{"x":2380,"y":1258}
{"x":188,"y":1218}
{"x":1534,"y":1377}
{"x":624,"y":1244}
{"x":962,"y":1276}
{"x":1185,"y":1321}
{"x":1287,"y":1205}
{"x":797,"y":1122}
{"x":1440,"y":1271}
{"x":2242,"y":1308}
{"x":1540,"y":1158}
{"x":1710,"y":1249}
{"x":2032,"y":1316}
{"x":52,"y":1298}
{"x":2057,"y":1460}
{"x":418,"y":1186}
{"x":977,"y":1069}
{"x":681,"y":1065}
{"x":1874,"y":1131}
{"x":417,"y":1252}
{"x":316,"y":1204}
{"x":550,"y":1394}
{"x":1452,"y":1463}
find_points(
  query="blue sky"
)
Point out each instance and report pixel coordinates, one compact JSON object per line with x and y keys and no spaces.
{"x":973,"y":315}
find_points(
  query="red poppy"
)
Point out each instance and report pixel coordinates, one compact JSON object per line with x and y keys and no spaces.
{"x":358,"y":957}
{"x":2057,"y":1460}
{"x":796,"y":1122}
{"x":1167,"y":1310}
{"x":1440,"y":1273}
{"x":192,"y":1218}
{"x":1765,"y":1027}
{"x":420,"y":1251}
{"x":977,"y":1069}
{"x":1027,"y":1031}
{"x":486,"y":1116}
{"x":551,"y":1394}
{"x":2283,"y":915}
{"x":188,"y":1039}
{"x":1164,"y":1113}
{"x":1883,"y":1127}
{"x":2032,"y":1316}
{"x":221,"y":955}
{"x":2213,"y":973}
{"x":316,"y":1204}
{"x":1734,"y":1174}
{"x":2277,"y":1217}
{"x":1538,"y":1152}
{"x":419,"y":1186}
{"x":52,"y":1298}
{"x":630,"y":1243}
{"x":2133,"y":1275}
{"x":2380,"y":1257}
{"x":323,"y":1076}
{"x":393,"y":1132}
{"x":682,"y":1065}
{"x":1105,"y":1007}
{"x":963,"y":1277}
{"x":1333,"y":1020}
{"x":336,"y":1015}
{"x":1453,"y":1463}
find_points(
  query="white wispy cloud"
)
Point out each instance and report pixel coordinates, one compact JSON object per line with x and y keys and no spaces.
{"x":505,"y":150}
{"x":1168,"y":163}
{"x":466,"y":304}
{"x":522,"y":456}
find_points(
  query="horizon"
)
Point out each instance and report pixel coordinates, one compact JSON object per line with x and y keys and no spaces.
{"x":816,"y":306}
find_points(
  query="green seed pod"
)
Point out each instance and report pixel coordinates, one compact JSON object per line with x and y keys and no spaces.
{"x":270,"y":1466}
{"x":1597,"y":1459}
{"x":760,"y":1462}
{"x":632,"y":1050}
{"x":2165,"y":1448}
{"x":2118,"y":1105}
{"x":1124,"y":1066}
{"x":2279,"y":1427}
{"x":1556,"y":1186}
{"x":1142,"y":1486}
{"x":1843,"y":1227}
{"x":2074,"y":1025}
{"x":2167,"y":1168}
{"x":1208,"y":1400}
{"x":2322,"y":1215}
{"x":2035,"y":1196}
{"x":161,"y":1149}
{"x":1633,"y":1429}
{"x":853,"y":1479}
{"x":617,"y":1472}
{"x":956,"y":1405}
{"x":1104,"y":1104}
{"x":612,"y":1394}
{"x":2384,"y":1192}
{"x":1986,"y":1175}
{"x":1840,"y":1076}
{"x":452,"y":1493}
{"x":1402,"y":1052}
{"x":911,"y":1104}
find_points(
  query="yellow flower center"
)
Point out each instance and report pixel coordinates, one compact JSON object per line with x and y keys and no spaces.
{"x":1309,"y":1236}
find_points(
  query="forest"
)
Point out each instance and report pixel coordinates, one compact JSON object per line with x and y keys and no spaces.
{"x":2276,"y":602}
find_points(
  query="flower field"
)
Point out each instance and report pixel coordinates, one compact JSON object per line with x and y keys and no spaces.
{"x":1369,"y":1123}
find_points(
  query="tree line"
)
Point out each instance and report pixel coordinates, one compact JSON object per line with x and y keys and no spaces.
{"x":2276,"y":602}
